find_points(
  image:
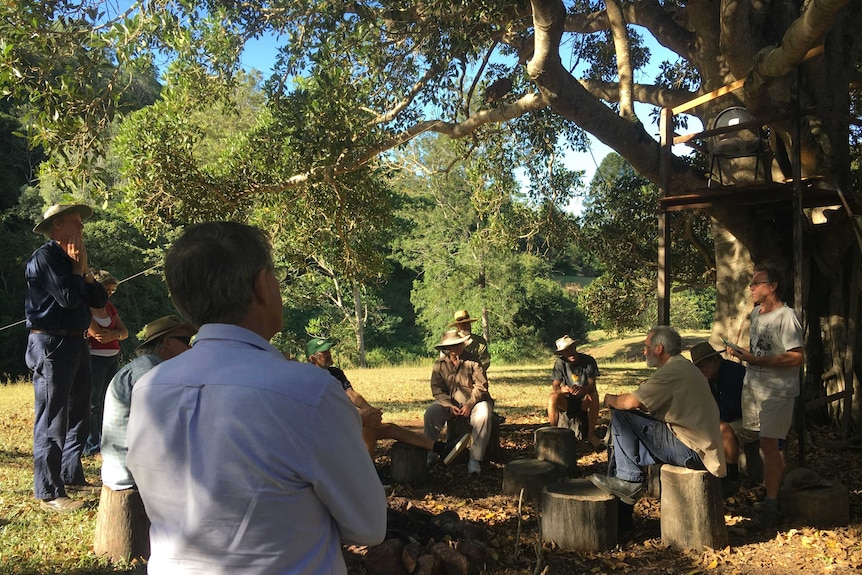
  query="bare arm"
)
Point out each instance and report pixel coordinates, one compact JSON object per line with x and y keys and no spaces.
{"x":791,"y":358}
{"x":625,"y":401}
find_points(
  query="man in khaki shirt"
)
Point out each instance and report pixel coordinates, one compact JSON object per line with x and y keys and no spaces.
{"x":670,"y":418}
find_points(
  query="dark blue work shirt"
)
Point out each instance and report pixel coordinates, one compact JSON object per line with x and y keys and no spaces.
{"x":56,"y":298}
{"x":727,"y":390}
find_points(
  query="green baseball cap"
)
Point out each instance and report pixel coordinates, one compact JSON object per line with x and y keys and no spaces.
{"x":317,"y":345}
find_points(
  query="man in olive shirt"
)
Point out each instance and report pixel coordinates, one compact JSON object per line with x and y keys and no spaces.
{"x":670,"y":418}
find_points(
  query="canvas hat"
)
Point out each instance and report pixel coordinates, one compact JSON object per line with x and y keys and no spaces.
{"x":461,"y":316}
{"x":702,"y":351}
{"x":56,"y":210}
{"x":317,"y":345}
{"x":449,"y":338}
{"x":564,"y":343}
{"x":163,"y":325}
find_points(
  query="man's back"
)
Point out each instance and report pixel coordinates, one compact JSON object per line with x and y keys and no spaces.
{"x":242,"y":457}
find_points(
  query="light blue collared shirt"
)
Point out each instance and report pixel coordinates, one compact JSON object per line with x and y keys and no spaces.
{"x":249,"y":463}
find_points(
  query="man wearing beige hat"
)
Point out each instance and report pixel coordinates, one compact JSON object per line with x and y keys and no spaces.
{"x":60,"y":293}
{"x":460,"y":389}
{"x":574,"y":387}
{"x":475,"y":346}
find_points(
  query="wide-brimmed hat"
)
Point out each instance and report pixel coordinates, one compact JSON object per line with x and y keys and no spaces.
{"x":803,"y":478}
{"x":462,"y":316}
{"x":317,"y":345}
{"x":44,"y":227}
{"x":564,"y":343}
{"x":702,"y":351}
{"x":163,"y":325}
{"x":449,"y":338}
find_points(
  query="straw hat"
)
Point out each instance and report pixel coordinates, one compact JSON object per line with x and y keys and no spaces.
{"x":44,"y":227}
{"x":449,"y":338}
{"x":462,"y":316}
{"x":163,"y":325}
{"x":702,"y":351}
{"x":565,"y":343}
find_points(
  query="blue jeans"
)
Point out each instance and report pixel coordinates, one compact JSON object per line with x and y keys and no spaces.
{"x":640,"y":441}
{"x":103,"y":369}
{"x":61,"y":386}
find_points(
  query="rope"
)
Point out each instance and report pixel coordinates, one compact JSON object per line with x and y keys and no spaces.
{"x":118,"y":283}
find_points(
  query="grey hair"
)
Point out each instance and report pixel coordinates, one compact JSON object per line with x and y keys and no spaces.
{"x":773,"y":276}
{"x":210,"y":270}
{"x":667,"y":337}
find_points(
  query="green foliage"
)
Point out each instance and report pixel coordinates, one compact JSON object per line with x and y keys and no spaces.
{"x":618,"y":227}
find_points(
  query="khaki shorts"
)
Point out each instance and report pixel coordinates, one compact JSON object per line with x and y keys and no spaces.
{"x":771,"y":416}
{"x":743,"y":436}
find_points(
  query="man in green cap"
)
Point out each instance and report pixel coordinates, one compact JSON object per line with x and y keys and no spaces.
{"x":373,"y":429}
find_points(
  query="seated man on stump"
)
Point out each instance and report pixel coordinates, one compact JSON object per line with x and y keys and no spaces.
{"x":725,"y":379}
{"x":670,"y":418}
{"x":574,"y":387}
{"x":318,"y":352}
{"x":460,"y":389}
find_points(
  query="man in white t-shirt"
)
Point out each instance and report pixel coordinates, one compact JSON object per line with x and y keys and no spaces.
{"x":771,"y":379}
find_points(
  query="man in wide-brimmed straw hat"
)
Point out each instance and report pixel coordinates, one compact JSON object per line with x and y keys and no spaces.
{"x":475,"y":346}
{"x":460,"y":389}
{"x":725,"y":381}
{"x":60,"y":293}
{"x":574,"y":387}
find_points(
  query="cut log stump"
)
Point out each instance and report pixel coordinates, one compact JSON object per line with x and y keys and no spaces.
{"x":557,"y":445}
{"x":122,"y":527}
{"x":408,"y":463}
{"x":528,"y":474}
{"x":577,"y":515}
{"x":823,"y":506}
{"x":692,"y":511}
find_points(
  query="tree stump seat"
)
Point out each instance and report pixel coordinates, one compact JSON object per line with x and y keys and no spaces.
{"x":557,"y":445}
{"x":692,"y":510}
{"x":822,"y":503}
{"x":122,"y":526}
{"x":578,"y":516}
{"x":528,"y":474}
{"x":408,"y":464}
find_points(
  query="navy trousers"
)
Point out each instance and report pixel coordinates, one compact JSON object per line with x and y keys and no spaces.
{"x":103,"y":369}
{"x":640,"y":441}
{"x":61,"y":384}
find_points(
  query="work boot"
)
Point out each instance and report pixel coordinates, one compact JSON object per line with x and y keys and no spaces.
{"x":456,"y":447}
{"x":628,"y":491}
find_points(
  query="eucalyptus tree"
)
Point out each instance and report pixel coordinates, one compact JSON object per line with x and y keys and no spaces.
{"x":362,"y":78}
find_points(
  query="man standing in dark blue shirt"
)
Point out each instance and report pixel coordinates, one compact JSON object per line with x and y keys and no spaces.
{"x":725,"y":381}
{"x":60,"y":293}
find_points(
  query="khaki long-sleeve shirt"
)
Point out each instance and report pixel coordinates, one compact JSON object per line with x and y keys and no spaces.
{"x":453,"y":386}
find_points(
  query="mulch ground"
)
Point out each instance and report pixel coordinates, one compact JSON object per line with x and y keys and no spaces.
{"x":512,"y":537}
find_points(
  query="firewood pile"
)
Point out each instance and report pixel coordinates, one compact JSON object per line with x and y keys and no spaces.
{"x":419,"y":542}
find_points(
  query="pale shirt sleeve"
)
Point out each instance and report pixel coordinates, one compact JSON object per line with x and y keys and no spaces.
{"x":345,"y":480}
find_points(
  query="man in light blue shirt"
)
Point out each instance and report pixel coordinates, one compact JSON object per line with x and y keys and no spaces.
{"x":246,"y":462}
